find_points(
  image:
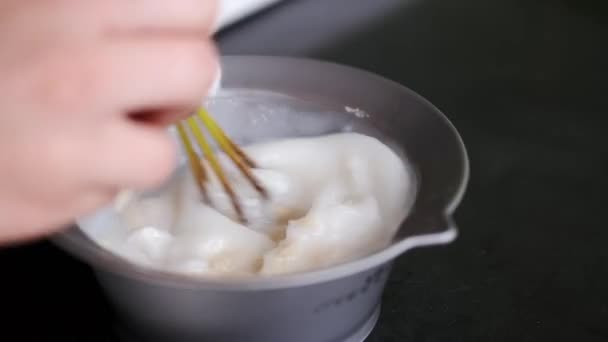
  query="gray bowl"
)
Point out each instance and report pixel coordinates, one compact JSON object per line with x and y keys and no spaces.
{"x":271,"y":97}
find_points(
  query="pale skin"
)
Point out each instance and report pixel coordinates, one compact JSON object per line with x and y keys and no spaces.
{"x":86,"y":92}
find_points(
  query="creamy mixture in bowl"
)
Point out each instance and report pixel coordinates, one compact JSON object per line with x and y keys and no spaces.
{"x":333,"y":198}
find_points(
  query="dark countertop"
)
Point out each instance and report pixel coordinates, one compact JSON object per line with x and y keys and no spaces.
{"x":523,"y":81}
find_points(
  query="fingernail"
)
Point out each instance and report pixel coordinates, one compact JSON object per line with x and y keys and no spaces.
{"x":217,"y":83}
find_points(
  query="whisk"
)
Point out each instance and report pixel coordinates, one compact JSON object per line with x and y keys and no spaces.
{"x":243,"y":162}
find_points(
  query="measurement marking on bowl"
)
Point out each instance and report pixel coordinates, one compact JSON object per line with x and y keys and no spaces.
{"x":371,"y":280}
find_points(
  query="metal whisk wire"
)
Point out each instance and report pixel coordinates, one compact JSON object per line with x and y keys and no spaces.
{"x":232,"y":150}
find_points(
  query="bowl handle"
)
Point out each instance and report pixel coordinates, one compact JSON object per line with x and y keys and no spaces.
{"x":420,"y":230}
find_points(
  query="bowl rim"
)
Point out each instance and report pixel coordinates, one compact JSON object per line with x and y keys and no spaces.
{"x":106,"y":261}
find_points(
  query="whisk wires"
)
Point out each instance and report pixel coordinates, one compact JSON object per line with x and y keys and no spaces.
{"x":235,"y":153}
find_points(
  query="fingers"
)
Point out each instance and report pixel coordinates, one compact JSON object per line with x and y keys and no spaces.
{"x":147,"y":15}
{"x":157,"y":79}
{"x":89,"y":201}
{"x":36,"y":219}
{"x":131,"y":155}
{"x":150,"y":74}
{"x":86,"y":21}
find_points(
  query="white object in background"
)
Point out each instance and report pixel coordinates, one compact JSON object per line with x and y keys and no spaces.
{"x":232,"y":11}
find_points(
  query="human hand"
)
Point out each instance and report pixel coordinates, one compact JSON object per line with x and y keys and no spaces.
{"x":86,"y":91}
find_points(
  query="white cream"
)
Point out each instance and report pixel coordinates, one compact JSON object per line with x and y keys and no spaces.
{"x":332,"y":199}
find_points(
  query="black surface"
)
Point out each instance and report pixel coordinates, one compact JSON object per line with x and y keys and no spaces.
{"x":523,"y":81}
